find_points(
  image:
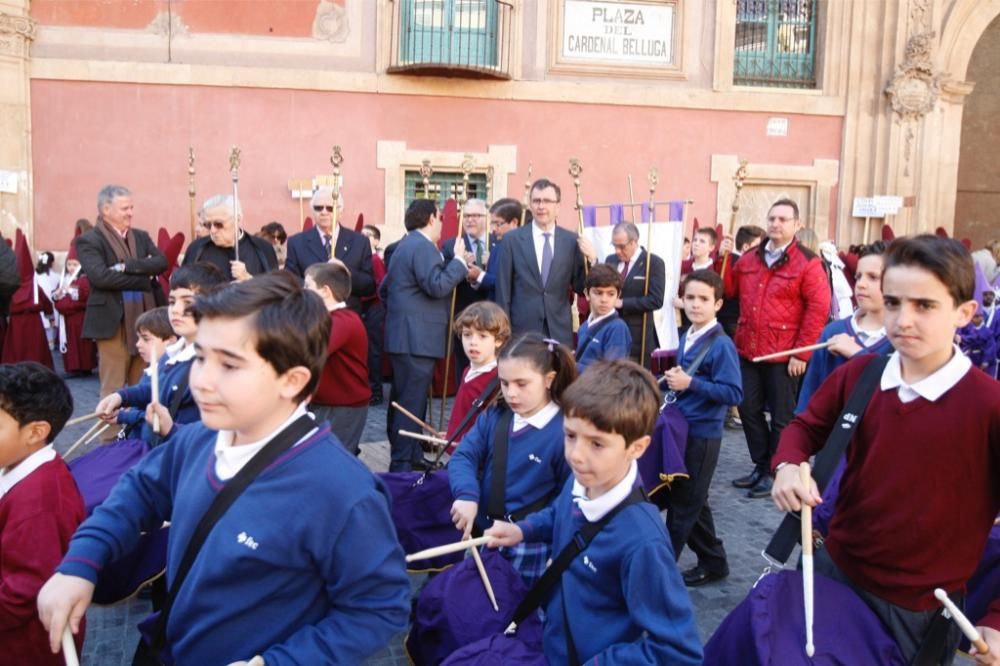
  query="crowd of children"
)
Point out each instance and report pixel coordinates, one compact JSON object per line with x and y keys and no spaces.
{"x":552,"y":456}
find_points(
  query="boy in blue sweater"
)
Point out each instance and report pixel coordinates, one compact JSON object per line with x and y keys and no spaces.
{"x":174,"y":366}
{"x":273,"y":583}
{"x":621,"y":601}
{"x":703,"y":398}
{"x":153,"y":335}
{"x":605,"y":335}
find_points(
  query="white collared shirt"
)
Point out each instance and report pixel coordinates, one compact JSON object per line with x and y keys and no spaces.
{"x":693,"y":336}
{"x":11,"y":477}
{"x":595,"y":509}
{"x":336,"y":306}
{"x":539,"y":419}
{"x":334,"y":236}
{"x":867,"y":338}
{"x":592,"y":320}
{"x":772,"y":254}
{"x":182,"y":350}
{"x":481,"y":370}
{"x":931,"y":387}
{"x":632,"y":261}
{"x":230,"y":459}
{"x":708,"y":264}
{"x":538,"y":237}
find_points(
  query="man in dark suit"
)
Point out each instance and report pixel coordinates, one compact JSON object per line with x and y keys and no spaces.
{"x":256,"y":255}
{"x":637,"y":301}
{"x":505,"y":216}
{"x":417,"y":293}
{"x":540,"y":266}
{"x":314,"y":246}
{"x":121,"y":263}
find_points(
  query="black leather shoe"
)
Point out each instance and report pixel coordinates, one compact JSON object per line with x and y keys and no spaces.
{"x":750,"y":480}
{"x":699,"y":576}
{"x":762,"y":488}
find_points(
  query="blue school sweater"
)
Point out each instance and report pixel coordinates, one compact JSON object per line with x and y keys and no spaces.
{"x":304,"y":568}
{"x":536,"y":466}
{"x":625,"y":600}
{"x":715,"y":387}
{"x":141,"y":394}
{"x":612,"y":341}
{"x":823,"y":362}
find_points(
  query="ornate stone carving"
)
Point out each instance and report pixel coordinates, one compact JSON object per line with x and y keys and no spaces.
{"x":330,"y":23}
{"x":167,"y":24}
{"x":915,"y":88}
{"x":15,"y":34}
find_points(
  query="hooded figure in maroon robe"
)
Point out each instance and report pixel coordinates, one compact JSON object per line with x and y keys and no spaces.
{"x":79,"y":353}
{"x":25,"y":338}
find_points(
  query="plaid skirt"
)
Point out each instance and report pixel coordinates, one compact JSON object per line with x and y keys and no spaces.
{"x":530,"y":560}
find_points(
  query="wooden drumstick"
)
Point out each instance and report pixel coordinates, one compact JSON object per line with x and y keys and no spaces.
{"x":437,"y":441}
{"x":154,"y":376}
{"x":413,"y":417}
{"x":963,"y":622}
{"x":807,"y":560}
{"x":82,"y":419}
{"x":486,"y":580}
{"x":447,"y":549}
{"x":83,"y":438}
{"x":69,"y":648}
{"x":797,"y":350}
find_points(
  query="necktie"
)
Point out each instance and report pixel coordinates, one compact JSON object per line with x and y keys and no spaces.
{"x":546,"y":258}
{"x":479,"y":253}
{"x":624,"y":270}
{"x":326,"y":245}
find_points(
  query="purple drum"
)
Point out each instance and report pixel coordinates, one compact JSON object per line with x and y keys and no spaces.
{"x":662,"y":360}
{"x":421,"y":511}
{"x":664,"y":458}
{"x":768,"y":628}
{"x":498,"y":650}
{"x":984,"y":586}
{"x":97,"y":472}
{"x":123,"y":578}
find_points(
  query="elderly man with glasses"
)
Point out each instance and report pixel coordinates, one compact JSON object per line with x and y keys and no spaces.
{"x":223,"y":218}
{"x":327,"y":241}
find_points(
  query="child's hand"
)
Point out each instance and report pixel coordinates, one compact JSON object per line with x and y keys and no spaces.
{"x":677,"y":379}
{"x":108,"y":407}
{"x":504,"y":534}
{"x":844,"y":345}
{"x":463,"y":514}
{"x":788,"y":491}
{"x":165,"y":422}
{"x":62,"y":600}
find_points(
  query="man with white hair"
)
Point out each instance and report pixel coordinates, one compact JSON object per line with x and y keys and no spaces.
{"x":327,"y":241}
{"x":223,"y":217}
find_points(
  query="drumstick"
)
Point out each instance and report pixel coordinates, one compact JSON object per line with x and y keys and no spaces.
{"x":807,"y":561}
{"x":80,"y":441}
{"x":449,"y":548}
{"x":423,"y":438}
{"x":423,"y":424}
{"x":154,"y":375}
{"x":486,"y":580}
{"x":797,"y":350}
{"x":82,"y":419}
{"x":69,"y":648}
{"x":962,"y":622}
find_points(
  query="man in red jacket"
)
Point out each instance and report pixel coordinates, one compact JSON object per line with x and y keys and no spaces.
{"x":784,"y":303}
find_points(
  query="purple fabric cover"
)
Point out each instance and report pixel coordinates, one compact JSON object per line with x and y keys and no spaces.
{"x":421,"y":511}
{"x":497,"y":650}
{"x":665,"y":454}
{"x":768,"y":628}
{"x":97,"y":472}
{"x":984,"y":586}
{"x":453,"y":610}
{"x":123,"y":578}
{"x":823,"y":513}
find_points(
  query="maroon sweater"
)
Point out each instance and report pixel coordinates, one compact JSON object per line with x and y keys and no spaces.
{"x":467,"y":394}
{"x":37,"y":518}
{"x":921,"y":488}
{"x":344,"y":382}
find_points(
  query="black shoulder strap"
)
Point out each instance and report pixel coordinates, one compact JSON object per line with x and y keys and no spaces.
{"x":547,"y":583}
{"x":706,"y":347}
{"x":478,"y":406}
{"x":498,"y":480}
{"x":789,"y":531}
{"x":592,"y":334}
{"x":229,"y":493}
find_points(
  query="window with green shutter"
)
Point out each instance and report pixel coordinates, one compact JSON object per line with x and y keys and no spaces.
{"x":775,"y":43}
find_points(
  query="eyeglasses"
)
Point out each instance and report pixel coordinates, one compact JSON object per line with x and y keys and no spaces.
{"x":548,"y":202}
{"x":320,"y":209}
{"x":471,"y":215}
{"x":219,"y":226}
{"x":621,"y":246}
{"x":777,"y":218}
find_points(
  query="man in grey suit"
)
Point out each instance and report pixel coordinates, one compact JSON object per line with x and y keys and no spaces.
{"x":540,"y":267}
{"x":417,"y":292}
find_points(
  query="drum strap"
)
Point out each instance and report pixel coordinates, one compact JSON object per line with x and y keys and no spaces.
{"x":543,"y":589}
{"x":233,"y":488}
{"x":592,"y":333}
{"x":788,"y":533}
{"x":478,"y":405}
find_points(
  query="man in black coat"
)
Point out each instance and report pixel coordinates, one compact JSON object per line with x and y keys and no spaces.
{"x":256,"y":255}
{"x":122,"y":263}
{"x":637,"y":300}
{"x":325,"y":240}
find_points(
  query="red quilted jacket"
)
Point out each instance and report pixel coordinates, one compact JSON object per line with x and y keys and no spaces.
{"x":781,"y":307}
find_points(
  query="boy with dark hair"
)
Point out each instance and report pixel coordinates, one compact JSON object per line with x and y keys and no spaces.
{"x":921,"y":487}
{"x":343,"y":393}
{"x":604,"y":336}
{"x":704,"y":240}
{"x":40,"y":506}
{"x":272,"y":582}
{"x":174,"y":405}
{"x":621,"y":600}
{"x":153,"y":335}
{"x":706,"y":382}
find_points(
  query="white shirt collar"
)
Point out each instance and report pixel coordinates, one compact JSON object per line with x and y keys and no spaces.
{"x":424,"y":234}
{"x":230,"y":459}
{"x":622,"y":265}
{"x":697,"y":267}
{"x":180,"y":351}
{"x":770,"y":249}
{"x":334,"y":234}
{"x":539,"y":419}
{"x":481,"y":370}
{"x":693,"y":336}
{"x":931,"y":387}
{"x":11,"y":477}
{"x":337,"y":306}
{"x":595,"y":509}
{"x":591,"y":320}
{"x":867,"y":338}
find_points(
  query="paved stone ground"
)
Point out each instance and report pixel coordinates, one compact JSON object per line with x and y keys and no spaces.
{"x":744,"y":525}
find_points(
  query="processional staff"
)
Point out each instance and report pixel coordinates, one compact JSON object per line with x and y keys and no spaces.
{"x":191,"y":192}
{"x":575,"y":169}
{"x":527,"y":197}
{"x":426,"y":171}
{"x":234,"y":172}
{"x":336,"y":159}
{"x":738,"y":179}
{"x":653,"y":180}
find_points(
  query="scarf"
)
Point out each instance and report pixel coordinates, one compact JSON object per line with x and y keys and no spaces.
{"x":134,"y":303}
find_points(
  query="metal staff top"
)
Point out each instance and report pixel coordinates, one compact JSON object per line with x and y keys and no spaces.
{"x":191,"y":191}
{"x":234,"y":172}
{"x":575,"y":169}
{"x":527,"y":197}
{"x":738,"y":179}
{"x":336,"y":159}
{"x":426,"y":171}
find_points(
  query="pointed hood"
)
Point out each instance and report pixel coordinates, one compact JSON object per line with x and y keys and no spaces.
{"x":25,"y":266}
{"x":72,"y":255}
{"x":360,"y":224}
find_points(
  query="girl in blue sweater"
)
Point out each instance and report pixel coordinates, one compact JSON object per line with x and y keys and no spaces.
{"x":520,"y":440}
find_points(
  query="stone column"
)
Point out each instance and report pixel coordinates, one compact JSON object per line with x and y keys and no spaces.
{"x":17,"y":31}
